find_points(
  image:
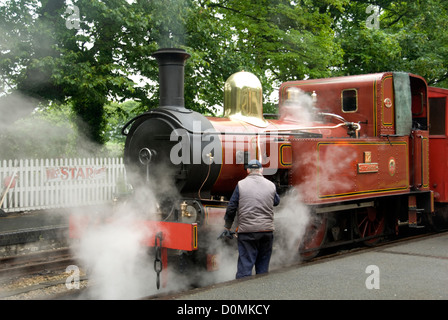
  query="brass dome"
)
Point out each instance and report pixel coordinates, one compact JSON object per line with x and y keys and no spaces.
{"x":243,"y":99}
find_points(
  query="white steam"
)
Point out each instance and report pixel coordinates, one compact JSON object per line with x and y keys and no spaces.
{"x":120,"y":265}
{"x":291,"y":221}
{"x":30,"y":128}
{"x":115,"y":249}
{"x":299,"y":107}
{"x":117,"y":264}
{"x":15,"y":106}
{"x":321,"y":172}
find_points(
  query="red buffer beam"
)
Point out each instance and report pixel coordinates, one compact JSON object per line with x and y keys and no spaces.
{"x":175,"y":235}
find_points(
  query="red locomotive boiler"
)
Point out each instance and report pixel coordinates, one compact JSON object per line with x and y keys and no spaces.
{"x":355,"y":150}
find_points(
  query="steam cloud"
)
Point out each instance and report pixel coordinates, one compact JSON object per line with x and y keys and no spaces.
{"x":299,"y":107}
{"x":26,"y":132}
{"x":114,"y":259}
{"x":119,"y":266}
{"x":113,"y":251}
{"x":321,"y":172}
{"x":291,"y":220}
{"x":15,"y":106}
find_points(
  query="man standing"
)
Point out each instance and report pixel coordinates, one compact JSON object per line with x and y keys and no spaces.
{"x":253,"y":201}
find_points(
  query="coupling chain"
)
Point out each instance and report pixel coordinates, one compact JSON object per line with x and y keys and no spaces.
{"x":158,"y":266}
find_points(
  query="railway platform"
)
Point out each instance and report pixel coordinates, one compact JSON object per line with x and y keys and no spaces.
{"x":410,"y":270}
{"x":42,"y":218}
{"x":31,"y":227}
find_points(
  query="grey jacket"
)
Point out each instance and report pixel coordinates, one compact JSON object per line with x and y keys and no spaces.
{"x":253,"y":200}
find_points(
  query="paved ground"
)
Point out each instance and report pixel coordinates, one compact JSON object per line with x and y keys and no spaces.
{"x":407,"y":271}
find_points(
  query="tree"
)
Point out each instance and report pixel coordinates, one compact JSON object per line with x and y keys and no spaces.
{"x":410,"y":37}
{"x":87,"y":63}
{"x":277,"y":40}
{"x":45,"y":133}
{"x":88,"y":54}
{"x":87,"y":57}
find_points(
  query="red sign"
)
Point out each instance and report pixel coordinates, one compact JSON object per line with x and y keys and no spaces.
{"x":75,"y":173}
{"x":367,"y":167}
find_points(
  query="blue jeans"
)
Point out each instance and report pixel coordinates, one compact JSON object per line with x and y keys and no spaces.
{"x":254,"y":248}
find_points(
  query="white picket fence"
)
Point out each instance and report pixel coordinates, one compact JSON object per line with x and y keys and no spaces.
{"x":36,"y":184}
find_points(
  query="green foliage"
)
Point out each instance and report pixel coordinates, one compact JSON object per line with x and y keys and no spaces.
{"x":85,"y":66}
{"x":411,"y":37}
{"x":118,"y":114}
{"x":46,"y":133}
{"x":55,"y":131}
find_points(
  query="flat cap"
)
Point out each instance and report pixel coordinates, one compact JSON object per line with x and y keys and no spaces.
{"x":254,"y":164}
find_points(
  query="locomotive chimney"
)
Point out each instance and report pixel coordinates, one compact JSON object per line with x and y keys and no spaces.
{"x":171,"y":76}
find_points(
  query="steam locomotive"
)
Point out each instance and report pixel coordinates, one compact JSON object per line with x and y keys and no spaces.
{"x":358,"y":151}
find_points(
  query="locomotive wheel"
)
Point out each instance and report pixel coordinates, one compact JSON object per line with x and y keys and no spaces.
{"x":315,"y":237}
{"x":370,"y":222}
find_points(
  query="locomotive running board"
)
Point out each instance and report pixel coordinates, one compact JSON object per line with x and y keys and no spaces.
{"x":342,"y":207}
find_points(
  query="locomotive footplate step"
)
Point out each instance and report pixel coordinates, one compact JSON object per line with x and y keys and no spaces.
{"x":411,"y":270}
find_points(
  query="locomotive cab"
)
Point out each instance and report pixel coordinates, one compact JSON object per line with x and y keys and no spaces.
{"x":384,"y":103}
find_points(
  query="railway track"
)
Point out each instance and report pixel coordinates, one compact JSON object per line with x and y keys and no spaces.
{"x":35,"y":262}
{"x":23,"y":274}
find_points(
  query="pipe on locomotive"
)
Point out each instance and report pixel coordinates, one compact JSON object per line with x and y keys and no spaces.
{"x":288,"y":131}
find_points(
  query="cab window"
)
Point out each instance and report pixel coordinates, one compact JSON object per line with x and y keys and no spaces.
{"x":437,"y":116}
{"x":349,"y":100}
